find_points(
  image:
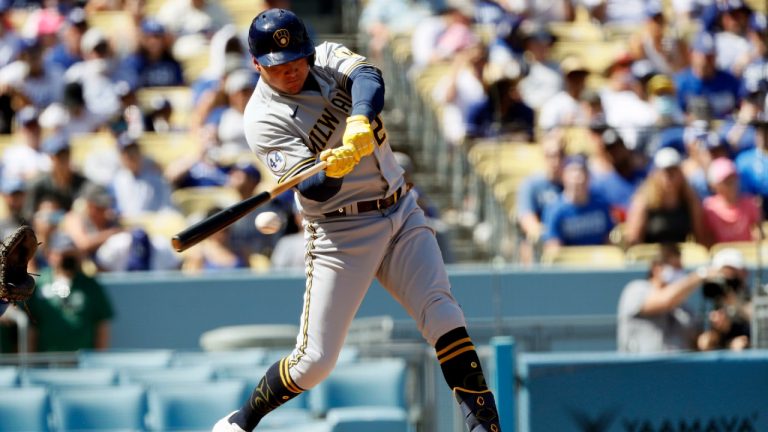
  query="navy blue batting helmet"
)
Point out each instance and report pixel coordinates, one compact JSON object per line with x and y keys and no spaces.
{"x":278,"y":36}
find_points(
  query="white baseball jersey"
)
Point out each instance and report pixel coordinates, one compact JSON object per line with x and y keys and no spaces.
{"x":288,"y":132}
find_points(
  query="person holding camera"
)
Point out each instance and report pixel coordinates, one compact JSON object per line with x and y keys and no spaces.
{"x":652,"y":316}
{"x":730,"y":317}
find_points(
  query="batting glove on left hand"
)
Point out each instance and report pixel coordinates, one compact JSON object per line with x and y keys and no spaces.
{"x":358,"y":136}
{"x":341,"y":161}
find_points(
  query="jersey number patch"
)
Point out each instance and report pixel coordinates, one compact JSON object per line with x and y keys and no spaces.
{"x":276,"y":161}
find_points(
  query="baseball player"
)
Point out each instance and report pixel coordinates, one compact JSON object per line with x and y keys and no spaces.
{"x":323,"y":104}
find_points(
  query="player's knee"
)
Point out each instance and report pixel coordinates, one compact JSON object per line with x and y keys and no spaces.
{"x":311,"y":370}
{"x":441,"y":316}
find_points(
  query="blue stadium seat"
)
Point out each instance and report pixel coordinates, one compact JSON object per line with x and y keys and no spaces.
{"x":245,"y":357}
{"x":69,"y":377}
{"x":124,"y":359}
{"x":24,"y":409}
{"x":368,"y":419}
{"x":174,"y":375}
{"x":369,"y":383}
{"x":192,"y":406}
{"x":117,"y":408}
{"x":9,"y":376}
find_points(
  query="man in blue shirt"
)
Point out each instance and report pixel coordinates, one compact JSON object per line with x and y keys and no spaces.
{"x":616,"y":171}
{"x":537,"y":192}
{"x":580,"y":217}
{"x":703,"y":78}
{"x":753,"y":165}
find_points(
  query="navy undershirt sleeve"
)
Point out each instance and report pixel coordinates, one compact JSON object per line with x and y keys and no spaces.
{"x":366,"y":86}
{"x":320,"y":187}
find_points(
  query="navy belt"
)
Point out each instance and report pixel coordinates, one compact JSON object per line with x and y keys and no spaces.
{"x":377,"y":204}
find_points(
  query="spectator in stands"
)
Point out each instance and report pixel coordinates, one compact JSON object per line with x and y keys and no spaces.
{"x":424,"y":38}
{"x":739,"y":132}
{"x":192,"y":17}
{"x":238,"y":88}
{"x":704,"y":78}
{"x":153,"y":62}
{"x":67,"y":51}
{"x":730,"y":318}
{"x":656,"y":43}
{"x":458,"y":35}
{"x":136,"y":250}
{"x":542,"y":78}
{"x":63,"y":184}
{"x":72,"y":116}
{"x":158,"y":117}
{"x":665,"y":208}
{"x":14,"y":197}
{"x":753,"y":165}
{"x":544,"y":11}
{"x":38,"y":85}
{"x":703,"y":146}
{"x":660,"y":91}
{"x":733,"y":47}
{"x":538,"y":192}
{"x":226,"y":54}
{"x":94,"y":222}
{"x":615,"y":172}
{"x":69,"y":310}
{"x":244,"y":240}
{"x":215,"y":252}
{"x":139,"y":185}
{"x":45,"y":222}
{"x":652,"y":315}
{"x":616,"y":12}
{"x":99,"y":73}
{"x":563,"y":109}
{"x":580,"y":217}
{"x":9,"y":39}
{"x":728,"y":215}
{"x":624,"y":109}
{"x":459,"y":90}
{"x":199,"y":170}
{"x":381,"y":20}
{"x":25,"y":160}
{"x":502,"y":113}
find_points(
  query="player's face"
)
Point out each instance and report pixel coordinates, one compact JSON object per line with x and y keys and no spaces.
{"x":286,"y":78}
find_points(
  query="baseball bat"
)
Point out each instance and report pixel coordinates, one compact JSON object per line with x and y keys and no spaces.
{"x":226,"y":217}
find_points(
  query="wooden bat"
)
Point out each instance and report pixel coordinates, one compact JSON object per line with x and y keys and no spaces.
{"x":226,"y":217}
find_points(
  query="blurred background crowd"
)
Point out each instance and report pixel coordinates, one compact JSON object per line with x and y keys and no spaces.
{"x":529,"y":127}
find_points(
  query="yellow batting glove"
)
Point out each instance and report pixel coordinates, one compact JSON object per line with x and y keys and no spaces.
{"x":358,"y":136}
{"x":341,"y":161}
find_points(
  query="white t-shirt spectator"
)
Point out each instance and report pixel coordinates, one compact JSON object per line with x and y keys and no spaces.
{"x":561,"y":110}
{"x":541,"y":84}
{"x":179,"y":17}
{"x":146,"y":192}
{"x":24,"y":163}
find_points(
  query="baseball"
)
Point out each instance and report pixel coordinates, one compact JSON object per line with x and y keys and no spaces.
{"x":268,"y":222}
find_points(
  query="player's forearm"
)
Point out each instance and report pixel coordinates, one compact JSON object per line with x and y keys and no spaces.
{"x":320,"y":187}
{"x":367,"y":89}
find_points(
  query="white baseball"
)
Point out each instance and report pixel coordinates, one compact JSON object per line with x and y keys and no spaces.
{"x":268,"y":222}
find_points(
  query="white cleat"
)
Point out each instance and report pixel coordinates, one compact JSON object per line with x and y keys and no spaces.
{"x":224,"y":425}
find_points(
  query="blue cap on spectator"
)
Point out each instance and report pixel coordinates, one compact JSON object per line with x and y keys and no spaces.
{"x":5,"y":5}
{"x":152,"y":27}
{"x":653,"y":8}
{"x":704,"y":43}
{"x":27,"y":115}
{"x":12,"y":185}
{"x":77,"y":17}
{"x":55,"y":144}
{"x":249,"y":169}
{"x":29,"y":44}
{"x":61,"y":242}
{"x":758,"y":23}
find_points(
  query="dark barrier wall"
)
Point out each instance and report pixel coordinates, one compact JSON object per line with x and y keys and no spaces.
{"x":171,"y":310}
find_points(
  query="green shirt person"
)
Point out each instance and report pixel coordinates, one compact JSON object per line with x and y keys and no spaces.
{"x":70,"y":310}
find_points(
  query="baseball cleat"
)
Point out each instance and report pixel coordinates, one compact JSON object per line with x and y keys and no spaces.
{"x":224,"y":425}
{"x":478,"y":409}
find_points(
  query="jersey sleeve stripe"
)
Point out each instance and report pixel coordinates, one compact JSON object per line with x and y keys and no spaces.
{"x":296,"y":168}
{"x":351,"y":68}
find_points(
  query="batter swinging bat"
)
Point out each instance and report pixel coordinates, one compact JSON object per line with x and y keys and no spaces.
{"x":206,"y":227}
